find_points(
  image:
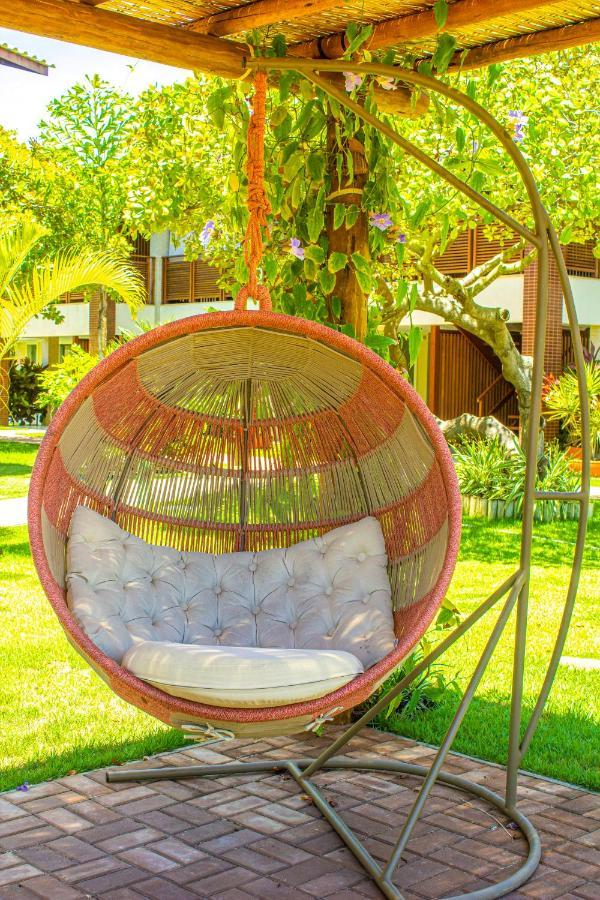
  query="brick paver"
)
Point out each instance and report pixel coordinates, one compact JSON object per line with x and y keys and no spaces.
{"x":254,"y":836}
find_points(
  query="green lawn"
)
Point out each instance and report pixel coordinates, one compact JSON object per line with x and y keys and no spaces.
{"x":58,"y":716}
{"x":16,"y":462}
{"x":567,"y":743}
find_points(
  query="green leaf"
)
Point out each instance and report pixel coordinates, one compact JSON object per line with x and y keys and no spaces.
{"x":361,"y":264}
{"x":415,"y":336}
{"x":336,"y":306}
{"x":420,"y":213}
{"x":414,"y":297}
{"x":279,"y":45}
{"x":490,"y":166}
{"x":440,"y":12}
{"x":336,"y":262}
{"x":365,"y":281}
{"x":401,"y":292}
{"x":326,"y":281}
{"x":446,"y":45}
{"x":278,"y":115}
{"x":566,"y":234}
{"x":352,"y":213}
{"x":339,"y":211}
{"x":293,"y":165}
{"x":314,"y":252}
{"x":360,"y":37}
{"x":378,"y":341}
{"x":316,"y":218}
{"x":271,"y":266}
{"x":286,"y":80}
{"x":316,"y":166}
{"x":399,"y":250}
{"x":299,"y":292}
{"x":460,"y":139}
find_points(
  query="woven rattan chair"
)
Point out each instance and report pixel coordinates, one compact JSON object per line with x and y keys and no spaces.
{"x":245,"y":431}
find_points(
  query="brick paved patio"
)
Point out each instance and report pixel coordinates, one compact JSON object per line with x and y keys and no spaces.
{"x":235,"y":838}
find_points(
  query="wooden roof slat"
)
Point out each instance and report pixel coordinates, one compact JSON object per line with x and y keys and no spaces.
{"x":258,"y":14}
{"x":527,"y":45}
{"x":80,"y":23}
{"x":408,"y":29}
{"x":22,"y":61}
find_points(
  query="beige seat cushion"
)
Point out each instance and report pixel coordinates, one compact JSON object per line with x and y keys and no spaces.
{"x":241,"y":676}
{"x":328,"y":593}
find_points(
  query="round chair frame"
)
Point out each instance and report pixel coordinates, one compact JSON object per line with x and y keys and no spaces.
{"x":514,"y":591}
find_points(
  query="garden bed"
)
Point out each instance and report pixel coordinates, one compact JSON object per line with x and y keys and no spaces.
{"x":545,"y":511}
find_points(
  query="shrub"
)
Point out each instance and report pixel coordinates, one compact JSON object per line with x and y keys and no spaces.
{"x":561,"y":399}
{"x":429,"y":688}
{"x":57,"y":382}
{"x":492,"y":471}
{"x":24,"y":391}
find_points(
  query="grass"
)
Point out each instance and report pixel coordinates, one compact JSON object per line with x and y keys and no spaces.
{"x":58,"y":716}
{"x":566,"y":743}
{"x":16,"y":462}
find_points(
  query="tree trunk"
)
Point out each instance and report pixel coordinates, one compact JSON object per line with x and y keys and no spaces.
{"x":5,"y":366}
{"x":516,"y":369}
{"x":475,"y":426}
{"x":348,"y":240}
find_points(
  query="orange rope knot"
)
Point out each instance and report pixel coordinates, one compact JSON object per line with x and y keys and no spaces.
{"x":258,"y":204}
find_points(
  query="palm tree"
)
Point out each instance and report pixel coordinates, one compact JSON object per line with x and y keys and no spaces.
{"x":27,"y":288}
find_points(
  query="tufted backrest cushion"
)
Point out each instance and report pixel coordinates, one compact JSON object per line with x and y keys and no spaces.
{"x":328,"y":593}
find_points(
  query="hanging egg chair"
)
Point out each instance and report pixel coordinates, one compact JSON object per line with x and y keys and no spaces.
{"x":247,"y":430}
{"x":241,"y":432}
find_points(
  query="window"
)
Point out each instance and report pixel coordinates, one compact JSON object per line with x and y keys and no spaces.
{"x":31,"y":351}
{"x":63,"y":349}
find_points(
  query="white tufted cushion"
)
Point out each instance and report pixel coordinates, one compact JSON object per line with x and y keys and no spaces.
{"x":329,"y":593}
{"x":241,"y":676}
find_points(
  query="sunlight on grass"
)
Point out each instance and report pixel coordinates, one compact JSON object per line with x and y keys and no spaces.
{"x":566,"y":743}
{"x":58,"y":716}
{"x":16,"y":462}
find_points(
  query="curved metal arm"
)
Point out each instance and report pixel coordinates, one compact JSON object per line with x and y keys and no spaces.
{"x":544,"y":238}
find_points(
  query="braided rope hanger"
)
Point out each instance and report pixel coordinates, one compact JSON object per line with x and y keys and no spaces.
{"x":258,"y":204}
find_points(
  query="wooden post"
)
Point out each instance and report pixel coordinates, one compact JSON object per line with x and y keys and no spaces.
{"x":53,"y":351}
{"x":349,"y":240}
{"x":432,"y":379}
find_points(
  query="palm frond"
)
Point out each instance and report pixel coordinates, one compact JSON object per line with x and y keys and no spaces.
{"x":16,"y":243}
{"x":26,"y":297}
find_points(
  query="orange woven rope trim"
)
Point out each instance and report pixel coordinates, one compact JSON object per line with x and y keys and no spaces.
{"x":258,"y":204}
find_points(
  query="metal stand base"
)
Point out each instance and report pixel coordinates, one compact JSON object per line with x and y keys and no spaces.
{"x":382,"y":876}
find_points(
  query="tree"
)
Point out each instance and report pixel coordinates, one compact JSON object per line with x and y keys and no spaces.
{"x":27,"y":288}
{"x":357,"y":225}
{"x":85,"y":140}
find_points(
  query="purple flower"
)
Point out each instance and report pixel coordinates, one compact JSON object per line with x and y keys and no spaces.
{"x":249,"y":105}
{"x":352,"y":81}
{"x":207,"y":233}
{"x":387,"y":83}
{"x":475,"y":146}
{"x":24,"y":786}
{"x":296,"y":248}
{"x":519,"y":120}
{"x":383,"y":221}
{"x":401,"y":239}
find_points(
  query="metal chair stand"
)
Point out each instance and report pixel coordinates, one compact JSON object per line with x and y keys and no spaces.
{"x":515,"y":589}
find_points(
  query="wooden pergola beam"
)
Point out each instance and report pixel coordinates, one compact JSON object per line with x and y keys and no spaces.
{"x":419,"y":26}
{"x":21,"y":61}
{"x":80,"y":23}
{"x":527,"y":45}
{"x":259,"y":14}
